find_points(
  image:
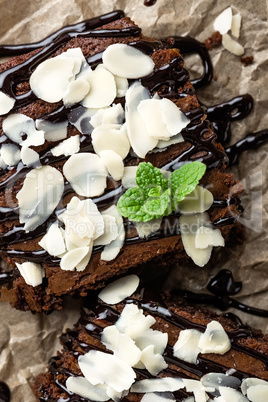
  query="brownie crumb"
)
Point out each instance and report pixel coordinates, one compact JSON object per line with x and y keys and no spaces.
{"x":246,"y":61}
{"x":213,"y":41}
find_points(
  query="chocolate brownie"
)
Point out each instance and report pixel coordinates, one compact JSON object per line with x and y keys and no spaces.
{"x":30,"y":150}
{"x":229,"y":354}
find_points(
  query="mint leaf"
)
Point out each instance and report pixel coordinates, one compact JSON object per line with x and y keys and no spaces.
{"x":148,"y":177}
{"x":185,"y":179}
{"x":130,"y":205}
{"x":156,"y":207}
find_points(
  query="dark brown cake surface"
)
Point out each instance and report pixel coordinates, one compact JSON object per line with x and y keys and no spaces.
{"x":244,"y":358}
{"x":170,"y":81}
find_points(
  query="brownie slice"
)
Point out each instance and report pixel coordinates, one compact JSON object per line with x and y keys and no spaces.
{"x":170,"y":80}
{"x":246,"y":357}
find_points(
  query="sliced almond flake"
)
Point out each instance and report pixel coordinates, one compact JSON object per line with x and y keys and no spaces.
{"x":138,"y":136}
{"x":121,"y":345}
{"x":29,"y":157}
{"x":236,"y":25}
{"x":10,"y":154}
{"x":70,"y":260}
{"x":186,"y":348}
{"x":112,"y":249}
{"x":32,"y":273}
{"x":232,"y":46}
{"x":82,"y":387}
{"x":113,"y":163}
{"x":40,"y":194}
{"x":166,"y":384}
{"x":200,"y":200}
{"x":153,"y":362}
{"x":152,"y":337}
{"x":214,"y":339}
{"x":3,"y":165}
{"x":121,"y":86}
{"x":176,"y":139}
{"x":229,"y":394}
{"x":76,"y":91}
{"x":224,"y":21}
{"x":118,"y":290}
{"x":114,"y":395}
{"x":52,"y":131}
{"x":257,"y":393}
{"x":109,"y":138}
{"x":86,"y":173}
{"x":197,"y":388}
{"x":110,"y":231}
{"x":102,"y":89}
{"x":110,"y":115}
{"x":83,"y":221}
{"x":127,"y":61}
{"x":251,"y":382}
{"x":157,"y":397}
{"x":53,"y":241}
{"x":81,"y":266}
{"x":144,"y":229}
{"x":129,"y":176}
{"x":6,"y":103}
{"x":189,"y":225}
{"x":173,"y":117}
{"x":132,"y":316}
{"x":103,"y":368}
{"x":216,"y":380}
{"x":17,"y":124}
{"x":67,"y":147}
{"x":206,"y":236}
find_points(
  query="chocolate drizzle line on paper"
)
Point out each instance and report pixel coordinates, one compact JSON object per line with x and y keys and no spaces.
{"x":167,"y":79}
{"x":155,"y":305}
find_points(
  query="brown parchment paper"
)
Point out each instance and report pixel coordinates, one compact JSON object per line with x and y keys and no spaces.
{"x":26,"y":340}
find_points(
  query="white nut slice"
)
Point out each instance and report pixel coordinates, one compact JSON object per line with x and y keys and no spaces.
{"x":106,"y":137}
{"x":200,"y":200}
{"x":236,"y":25}
{"x":252,"y":382}
{"x":114,"y":163}
{"x":102,"y":89}
{"x":232,"y":46}
{"x":189,"y":225}
{"x":110,"y":231}
{"x":230,"y":394}
{"x":67,"y":147}
{"x":111,"y":251}
{"x":138,"y":136}
{"x":224,"y":21}
{"x":72,"y":258}
{"x":214,"y":339}
{"x":53,"y":241}
{"x":82,"y":387}
{"x":6,"y":103}
{"x":186,"y":348}
{"x":10,"y":154}
{"x":206,"y":236}
{"x":126,"y":61}
{"x":155,"y":397}
{"x":40,"y":194}
{"x":76,"y":91}
{"x":52,"y":131}
{"x":118,"y":290}
{"x":15,"y":125}
{"x":32,"y":273}
{"x":129,"y":177}
{"x":29,"y":157}
{"x":86,"y":173}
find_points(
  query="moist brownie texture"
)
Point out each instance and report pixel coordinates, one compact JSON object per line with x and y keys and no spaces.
{"x":225,"y":363}
{"x":197,"y":142}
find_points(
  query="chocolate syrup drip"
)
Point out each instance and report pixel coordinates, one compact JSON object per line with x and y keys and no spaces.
{"x":109,"y":315}
{"x":5,"y":278}
{"x":222,"y":286}
{"x":251,"y":141}
{"x":4,"y":392}
{"x":225,"y":113}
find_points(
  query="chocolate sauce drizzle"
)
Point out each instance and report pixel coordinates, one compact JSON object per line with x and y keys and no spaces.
{"x":151,"y":303}
{"x":4,"y":392}
{"x":165,"y":79}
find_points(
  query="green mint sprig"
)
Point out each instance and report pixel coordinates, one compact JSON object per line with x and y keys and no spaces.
{"x":155,"y":196}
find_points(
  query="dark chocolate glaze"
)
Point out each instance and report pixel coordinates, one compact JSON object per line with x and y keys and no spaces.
{"x":149,"y":3}
{"x":97,"y":311}
{"x":4,"y":392}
